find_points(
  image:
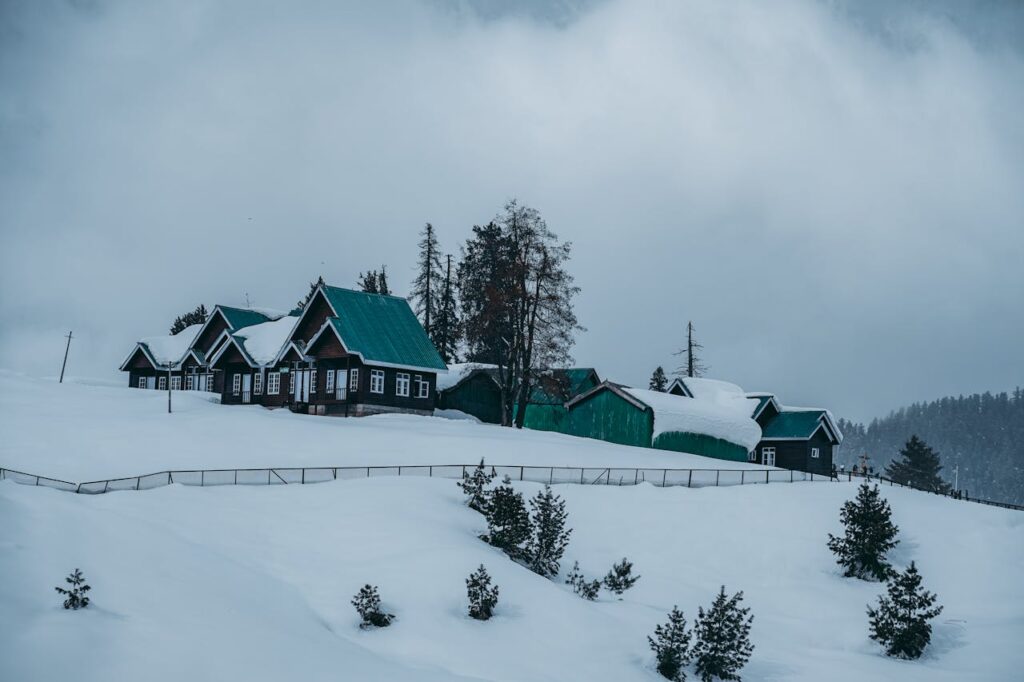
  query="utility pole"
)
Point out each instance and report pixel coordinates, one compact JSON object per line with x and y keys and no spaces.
{"x":956,"y":477}
{"x":65,"y":363}
{"x":169,"y":366}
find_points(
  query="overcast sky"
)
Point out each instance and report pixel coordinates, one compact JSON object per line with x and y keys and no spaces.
{"x":833,"y":192}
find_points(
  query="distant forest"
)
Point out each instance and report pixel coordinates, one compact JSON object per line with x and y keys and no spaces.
{"x":982,"y":433}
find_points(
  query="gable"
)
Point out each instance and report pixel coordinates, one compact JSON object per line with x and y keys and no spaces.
{"x":327,"y":345}
{"x":139,"y":360}
{"x":214,"y":327}
{"x":313,"y":317}
{"x":230,"y":355}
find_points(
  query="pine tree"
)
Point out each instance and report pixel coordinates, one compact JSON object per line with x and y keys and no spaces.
{"x":919,"y":467}
{"x":76,"y":598}
{"x":550,"y":536}
{"x":425,"y":294}
{"x":474,"y":485}
{"x":671,"y":646}
{"x":620,"y":578}
{"x":482,"y":597}
{"x":382,"y":281}
{"x":869,"y":534}
{"x":900,"y":623}
{"x":368,"y":282}
{"x":659,"y":382}
{"x":588,"y":589}
{"x":197,"y":316}
{"x":446,"y":330}
{"x":508,"y":523}
{"x":301,"y":305}
{"x":692,"y":365}
{"x":367,"y":603}
{"x":723,"y":644}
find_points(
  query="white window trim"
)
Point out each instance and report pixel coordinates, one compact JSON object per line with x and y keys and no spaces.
{"x":142,"y":382}
{"x":377,"y":375}
{"x":209,"y":383}
{"x":353,"y":379}
{"x":236,"y":384}
{"x":190,"y":382}
{"x":175,"y":383}
{"x":815,"y":453}
{"x":329,"y":386}
{"x":312,"y":381}
{"x":161,"y":383}
{"x":402,"y":384}
{"x":274,"y":383}
{"x":291,"y":382}
{"x":765,"y":451}
{"x":422,"y":387}
{"x":257,"y":383}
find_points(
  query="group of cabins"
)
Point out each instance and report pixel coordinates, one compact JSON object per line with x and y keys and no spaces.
{"x":351,"y":353}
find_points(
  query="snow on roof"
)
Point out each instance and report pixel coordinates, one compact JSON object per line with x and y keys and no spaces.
{"x":272,"y":313}
{"x":718,"y":409}
{"x":457,"y":372}
{"x":171,"y":348}
{"x":263,"y":341}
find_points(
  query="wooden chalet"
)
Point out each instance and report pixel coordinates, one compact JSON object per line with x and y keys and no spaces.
{"x":352,"y":353}
{"x":249,"y":366}
{"x":155,"y":361}
{"x":797,"y":438}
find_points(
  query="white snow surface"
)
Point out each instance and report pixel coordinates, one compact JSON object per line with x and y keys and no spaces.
{"x":271,"y":313}
{"x":457,"y":372}
{"x":172,"y":347}
{"x":264,"y":341}
{"x":80,"y":433}
{"x":254,"y":583}
{"x":717,"y":409}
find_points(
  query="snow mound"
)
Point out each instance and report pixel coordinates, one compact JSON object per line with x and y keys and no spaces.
{"x":718,"y":409}
{"x":457,"y":372}
{"x":264,"y":341}
{"x":171,"y":348}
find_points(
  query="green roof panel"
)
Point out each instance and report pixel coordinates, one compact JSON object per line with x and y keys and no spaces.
{"x":382,"y":329}
{"x":793,"y":424}
{"x":241,"y":317}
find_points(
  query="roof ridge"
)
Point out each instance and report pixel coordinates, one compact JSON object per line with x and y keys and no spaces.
{"x":360,"y":291}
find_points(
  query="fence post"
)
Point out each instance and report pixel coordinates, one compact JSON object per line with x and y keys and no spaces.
{"x":520,"y":473}
{"x":268,"y":476}
{"x":636,"y":476}
{"x":202,"y":478}
{"x":106,"y":484}
{"x":303,"y":475}
{"x":399,"y":471}
{"x":335,"y":473}
{"x":718,"y":473}
{"x":581,"y":475}
{"x":664,"y":474}
{"x":743,"y":477}
{"x":551,"y":475}
{"x":138,"y":481}
{"x":689,"y":479}
{"x":766,"y":475}
{"x":790,"y":475}
{"x":170,"y":477}
{"x":37,"y":480}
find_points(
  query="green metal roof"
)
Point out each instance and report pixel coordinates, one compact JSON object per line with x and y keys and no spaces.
{"x":793,"y":424}
{"x":574,"y":378}
{"x":241,"y":317}
{"x":381,"y":329}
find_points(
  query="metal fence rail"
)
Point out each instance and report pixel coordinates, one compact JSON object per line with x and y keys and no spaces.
{"x":690,"y":478}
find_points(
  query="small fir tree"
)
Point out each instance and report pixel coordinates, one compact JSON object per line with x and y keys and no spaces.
{"x":550,"y":536}
{"x":919,"y":467}
{"x":588,"y":589}
{"x":659,"y":382}
{"x":75,"y":594}
{"x":197,"y":316}
{"x":382,"y":281}
{"x":312,"y":290}
{"x":869,"y":534}
{"x":367,"y":603}
{"x":482,"y":597}
{"x":508,"y":523}
{"x":426,"y":287}
{"x":900,"y":623}
{"x":723,"y":638}
{"x":474,"y":485}
{"x":368,"y":282}
{"x":671,"y":646}
{"x":620,"y":578}
{"x":446,"y":330}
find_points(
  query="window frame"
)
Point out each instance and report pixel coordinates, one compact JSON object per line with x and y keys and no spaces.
{"x":329,"y":382}
{"x":422,"y":387}
{"x":312,"y":381}
{"x":257,"y":382}
{"x":273,"y":383}
{"x":236,"y":383}
{"x":815,"y":453}
{"x":161,"y":383}
{"x":402,"y":380}
{"x":190,"y":382}
{"x":375,"y":375}
{"x":291,"y":383}
{"x":353,"y":379}
{"x":175,"y":383}
{"x":765,"y":451}
{"x":209,"y":383}
{"x":141,"y":383}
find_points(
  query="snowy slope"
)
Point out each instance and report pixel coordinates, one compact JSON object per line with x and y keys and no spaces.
{"x":82,"y":432}
{"x":254,"y":584}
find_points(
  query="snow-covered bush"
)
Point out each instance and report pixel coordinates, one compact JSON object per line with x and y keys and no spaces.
{"x":550,"y":536}
{"x":723,"y":638}
{"x":587,"y":589}
{"x":367,"y":603}
{"x":482,"y":597}
{"x":620,"y":578}
{"x":508,"y":523}
{"x":76,"y":598}
{"x":474,"y":485}
{"x":671,"y":646}
{"x":900,"y":623}
{"x":869,"y":534}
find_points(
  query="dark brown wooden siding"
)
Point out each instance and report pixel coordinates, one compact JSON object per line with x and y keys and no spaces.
{"x":317,"y":312}
{"x":205,"y":340}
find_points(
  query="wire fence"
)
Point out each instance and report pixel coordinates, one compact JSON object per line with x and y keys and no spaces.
{"x":690,"y":478}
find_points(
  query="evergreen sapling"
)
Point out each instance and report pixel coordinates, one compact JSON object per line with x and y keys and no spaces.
{"x":620,"y":578}
{"x":367,"y":603}
{"x":508,"y":523}
{"x":588,"y":589}
{"x":900,"y":623}
{"x":76,"y":598}
{"x":723,"y":638}
{"x":659,"y":382}
{"x":550,"y":536}
{"x":671,"y":646}
{"x":474,"y":485}
{"x":869,"y":534}
{"x":482,"y":597}
{"x":918,"y":468}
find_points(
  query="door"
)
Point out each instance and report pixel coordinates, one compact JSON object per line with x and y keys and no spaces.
{"x":246,"y":387}
{"x":302,"y":378}
{"x":768,"y":454}
{"x":151,"y":382}
{"x":340,"y":384}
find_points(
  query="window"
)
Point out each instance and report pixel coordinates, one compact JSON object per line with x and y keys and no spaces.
{"x":190,"y":383}
{"x":236,"y":383}
{"x":161,"y":383}
{"x":376,"y":381}
{"x":353,"y":380}
{"x":330,"y":381}
{"x":273,"y":383}
{"x":257,"y":383}
{"x":209,"y":383}
{"x":752,"y":456}
{"x":142,"y":382}
{"x":402,"y":385}
{"x":422,"y":387}
{"x":814,"y":453}
{"x":312,"y":381}
{"x":175,"y":383}
{"x":768,"y":456}
{"x":291,"y":382}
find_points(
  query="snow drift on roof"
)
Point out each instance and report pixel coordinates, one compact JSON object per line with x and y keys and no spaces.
{"x":263,"y":341}
{"x":457,"y":372}
{"x":718,"y":409}
{"x":171,"y":348}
